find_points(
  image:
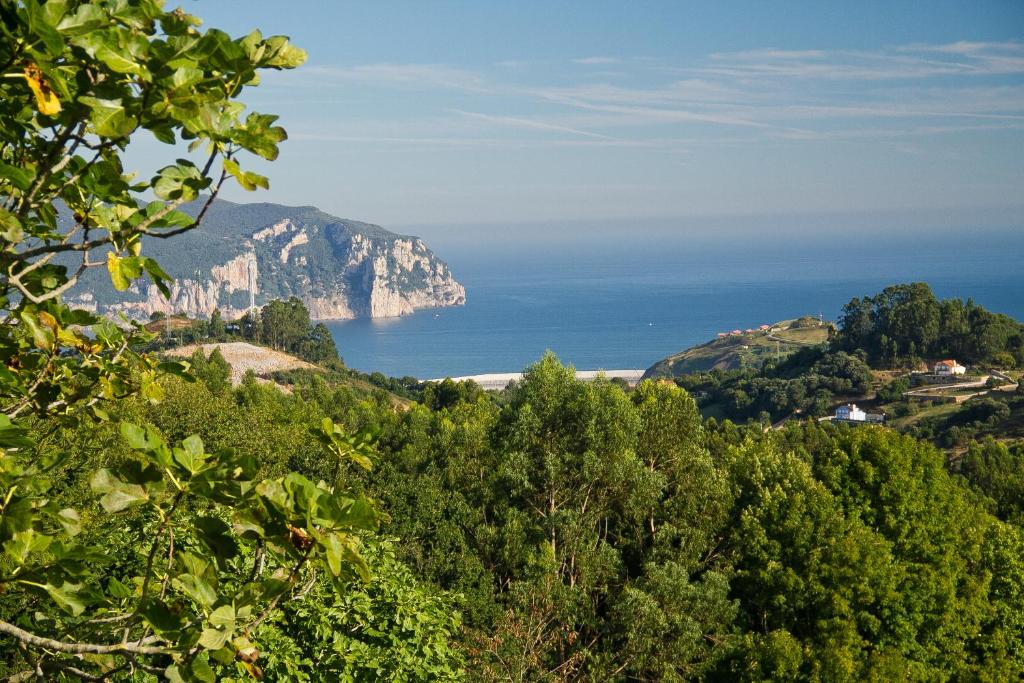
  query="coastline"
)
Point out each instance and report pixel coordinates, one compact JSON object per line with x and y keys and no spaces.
{"x":499,"y":380}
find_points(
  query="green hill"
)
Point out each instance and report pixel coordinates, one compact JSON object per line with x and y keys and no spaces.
{"x":747,"y":349}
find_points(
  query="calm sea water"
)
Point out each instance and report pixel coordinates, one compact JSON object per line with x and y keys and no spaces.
{"x":630,"y":303}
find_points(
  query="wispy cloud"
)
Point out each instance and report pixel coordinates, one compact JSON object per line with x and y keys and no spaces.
{"x":419,"y":76}
{"x":770,"y":93}
{"x":904,"y":62}
{"x":592,"y":61}
{"x":532,"y":124}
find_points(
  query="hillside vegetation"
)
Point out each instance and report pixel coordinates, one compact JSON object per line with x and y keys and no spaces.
{"x":744,"y":350}
{"x":868,"y":360}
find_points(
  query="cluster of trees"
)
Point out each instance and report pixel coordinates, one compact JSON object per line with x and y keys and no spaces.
{"x":285,"y":326}
{"x":905,"y":323}
{"x":805,"y":383}
{"x":570,"y":530}
{"x":282,"y":325}
{"x":995,"y":414}
{"x":605,"y":535}
{"x":996,"y":470}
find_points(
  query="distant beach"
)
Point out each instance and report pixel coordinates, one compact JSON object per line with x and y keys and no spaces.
{"x":500,"y":380}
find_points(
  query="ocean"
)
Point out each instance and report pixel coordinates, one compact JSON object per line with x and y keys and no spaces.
{"x":628,"y":302}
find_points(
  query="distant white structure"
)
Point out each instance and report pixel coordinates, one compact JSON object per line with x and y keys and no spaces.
{"x":851,"y":413}
{"x":949,"y":368}
{"x":496,"y":381}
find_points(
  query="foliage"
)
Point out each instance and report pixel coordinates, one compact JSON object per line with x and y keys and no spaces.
{"x":905,"y":322}
{"x":390,"y":628}
{"x":997,"y":471}
{"x":208,"y":549}
{"x":807,"y":382}
{"x":154,"y":526}
{"x":284,"y":325}
{"x":214,"y":371}
{"x":599,"y":535}
{"x":997,"y":414}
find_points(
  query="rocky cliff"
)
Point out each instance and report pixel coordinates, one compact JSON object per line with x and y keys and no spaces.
{"x":256,"y":252}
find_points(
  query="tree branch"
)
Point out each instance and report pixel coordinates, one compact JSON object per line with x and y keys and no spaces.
{"x":141,"y":648}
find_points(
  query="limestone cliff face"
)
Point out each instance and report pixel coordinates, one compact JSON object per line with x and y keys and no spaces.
{"x":387,"y":273}
{"x":253,"y":253}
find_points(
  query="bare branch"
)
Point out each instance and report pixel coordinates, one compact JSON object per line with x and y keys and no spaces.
{"x":144,"y":647}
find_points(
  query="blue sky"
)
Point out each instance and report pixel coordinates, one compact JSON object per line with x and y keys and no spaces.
{"x":481,"y":112}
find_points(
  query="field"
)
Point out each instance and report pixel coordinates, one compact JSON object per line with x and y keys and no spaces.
{"x":243,"y":357}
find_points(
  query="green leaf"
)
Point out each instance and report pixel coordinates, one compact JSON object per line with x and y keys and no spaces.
{"x":119,"y":590}
{"x":248,"y":181}
{"x":109,"y":118}
{"x":13,"y":436}
{"x":119,"y":500}
{"x":180,"y":181}
{"x":178,"y":369}
{"x":136,"y":437}
{"x":173,"y":674}
{"x":278,"y":53}
{"x":118,"y":60}
{"x":10,"y":227}
{"x":21,"y":178}
{"x":118,"y":494}
{"x":66,"y":595}
{"x":190,"y":456}
{"x":131,"y":267}
{"x":217,"y":536}
{"x":223,"y":617}
{"x":42,"y":336}
{"x":343,"y":556}
{"x":202,"y":670}
{"x":70,"y":521}
{"x":360,"y":515}
{"x":213,"y":639}
{"x":24,"y":543}
{"x":41,"y":27}
{"x":161,"y":618}
{"x":87,"y":17}
{"x":196,"y":588}
{"x":259,"y":136}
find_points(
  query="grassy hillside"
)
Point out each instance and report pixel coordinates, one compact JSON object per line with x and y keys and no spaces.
{"x":745,"y":350}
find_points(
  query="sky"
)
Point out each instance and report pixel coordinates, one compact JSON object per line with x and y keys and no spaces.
{"x":462,"y":113}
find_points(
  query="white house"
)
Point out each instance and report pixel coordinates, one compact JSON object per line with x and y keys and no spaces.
{"x":851,"y":413}
{"x":949,"y":368}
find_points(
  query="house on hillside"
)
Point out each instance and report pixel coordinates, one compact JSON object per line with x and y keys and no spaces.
{"x":948,"y":368}
{"x":851,"y":413}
